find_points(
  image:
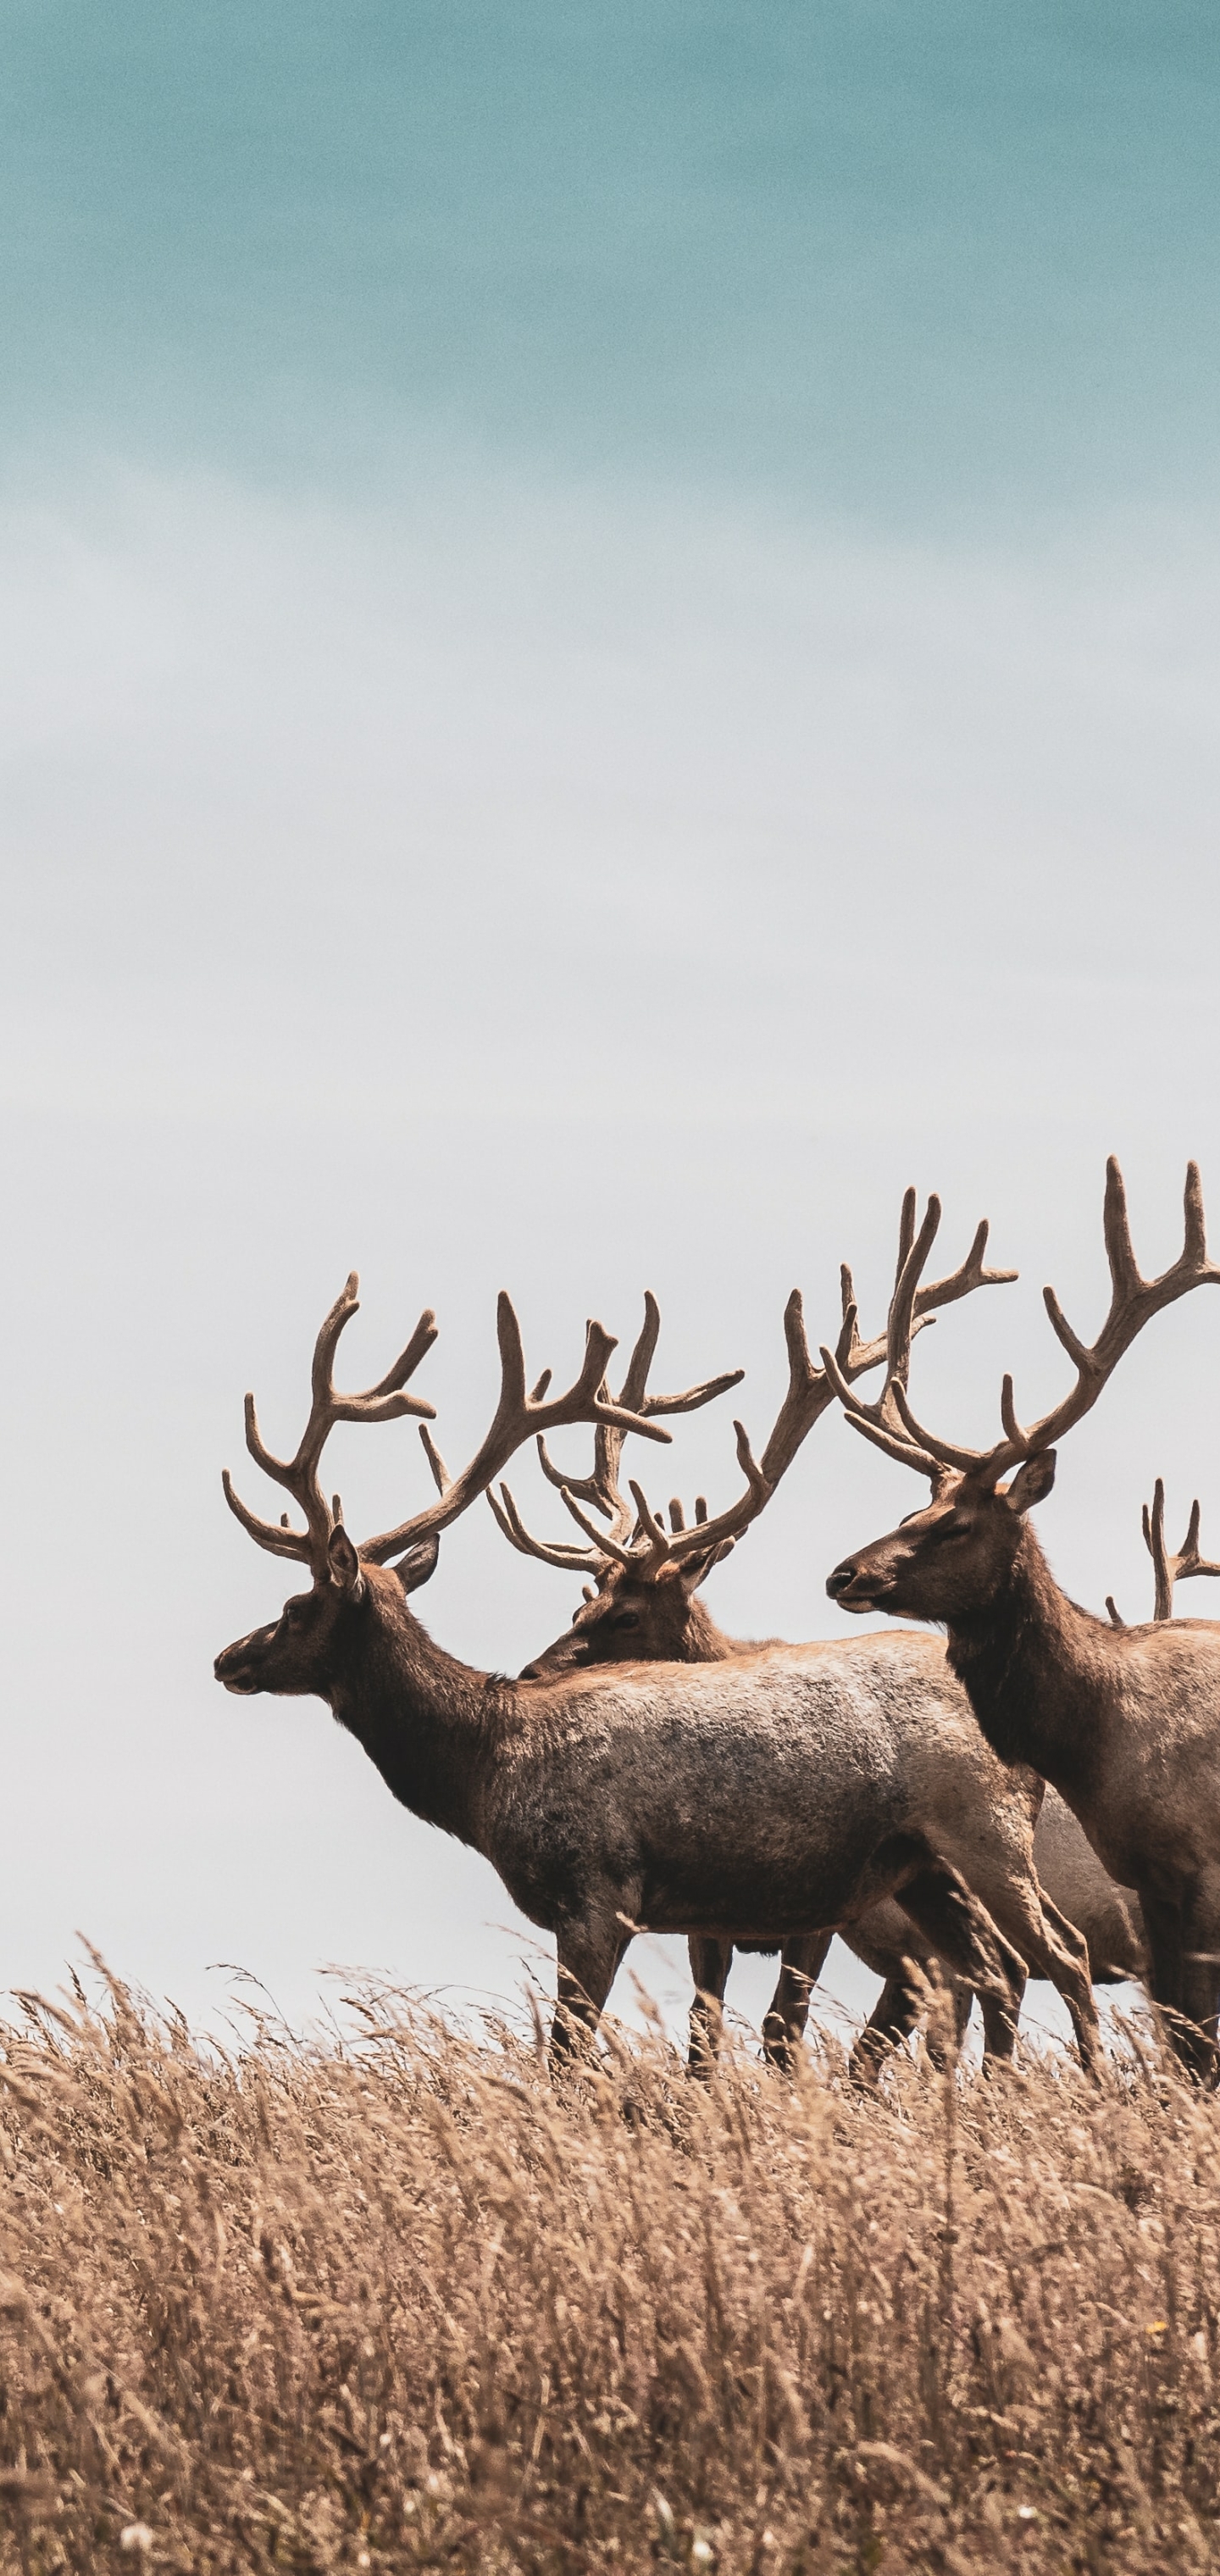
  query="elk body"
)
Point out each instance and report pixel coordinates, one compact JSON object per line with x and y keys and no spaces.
{"x":668,"y":1622}
{"x":708,"y":1799}
{"x":1125,"y":1722}
{"x":643,"y":1606}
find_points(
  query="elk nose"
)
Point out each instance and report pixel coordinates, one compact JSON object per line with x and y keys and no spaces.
{"x":843,"y":1577}
{"x":528,"y":1673}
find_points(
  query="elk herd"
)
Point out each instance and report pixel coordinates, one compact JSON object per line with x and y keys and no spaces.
{"x":1033,"y":1792}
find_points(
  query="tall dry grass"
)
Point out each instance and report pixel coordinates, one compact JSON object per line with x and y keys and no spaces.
{"x":391,"y":2304}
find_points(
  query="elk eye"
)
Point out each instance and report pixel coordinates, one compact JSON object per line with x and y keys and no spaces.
{"x":627,"y":1619}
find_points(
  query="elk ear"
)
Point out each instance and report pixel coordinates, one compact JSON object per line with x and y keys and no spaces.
{"x":419,"y":1562}
{"x":696,"y":1569}
{"x":1032,"y":1482}
{"x":346,"y":1571}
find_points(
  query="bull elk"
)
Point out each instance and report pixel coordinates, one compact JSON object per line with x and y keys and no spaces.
{"x":1125,"y":1722}
{"x":686,"y":1798}
{"x":641,"y":1604}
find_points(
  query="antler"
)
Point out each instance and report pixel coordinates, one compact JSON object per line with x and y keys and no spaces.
{"x":809,"y":1392}
{"x":1133,"y":1301}
{"x":1171,"y":1569}
{"x":601,"y":1488}
{"x":517,"y":1415}
{"x":384,"y":1402}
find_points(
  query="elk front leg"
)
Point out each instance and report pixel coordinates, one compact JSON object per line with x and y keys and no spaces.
{"x":1201,"y":1977}
{"x":801,"y":1963}
{"x":589,"y":1952}
{"x":710,"y":1962}
{"x":1167,"y":1978}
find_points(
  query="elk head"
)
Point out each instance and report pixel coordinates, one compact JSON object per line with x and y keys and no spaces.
{"x":308,"y":1647}
{"x":950,"y":1562}
{"x":303,"y":1653}
{"x":640,"y":1601}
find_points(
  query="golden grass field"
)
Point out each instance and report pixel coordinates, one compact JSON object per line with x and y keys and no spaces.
{"x":389,"y":2303}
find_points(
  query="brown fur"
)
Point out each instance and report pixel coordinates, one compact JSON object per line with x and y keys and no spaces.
{"x":1124,"y":1721}
{"x":637,"y":1612}
{"x":674,"y":1797}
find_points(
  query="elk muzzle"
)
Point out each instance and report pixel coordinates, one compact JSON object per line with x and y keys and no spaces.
{"x":241,"y":1666}
{"x":857,"y":1586}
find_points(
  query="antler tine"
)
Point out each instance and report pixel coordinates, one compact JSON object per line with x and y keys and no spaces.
{"x":581,"y":1560}
{"x":909,"y":1453}
{"x":518,"y":1416}
{"x":635,"y":1380}
{"x":601,"y":1489}
{"x":810,"y":1390}
{"x":1154,"y":1541}
{"x":901,"y":1325}
{"x":441,"y":1477}
{"x":1133,"y":1302}
{"x":708,"y":1534}
{"x":661,"y":1549}
{"x":970,"y":1274}
{"x":272,"y":1535}
{"x":605,"y":1545}
{"x":385,"y":1402}
{"x":906,"y":1230}
{"x":888,"y":1421}
{"x":1170,"y":1569}
{"x":1190,"y":1562}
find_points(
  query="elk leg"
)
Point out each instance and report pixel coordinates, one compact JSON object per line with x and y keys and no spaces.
{"x":892,"y":2019}
{"x":1201,"y":1976}
{"x":963,"y":2006}
{"x":588,"y":1956}
{"x":710,"y":1962}
{"x":1067,"y":1968}
{"x":941,"y":1906}
{"x":1167,"y":1970}
{"x":1055,"y":1950}
{"x":801,"y":1963}
{"x":898,"y":2011}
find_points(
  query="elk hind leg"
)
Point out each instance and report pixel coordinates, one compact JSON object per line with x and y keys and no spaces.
{"x":896,"y":2013}
{"x":802,"y":1960}
{"x":937,"y":1900}
{"x":710,"y":1962}
{"x":1065,"y":1963}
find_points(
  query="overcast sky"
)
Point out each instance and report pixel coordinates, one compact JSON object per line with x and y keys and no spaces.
{"x":609,"y":652}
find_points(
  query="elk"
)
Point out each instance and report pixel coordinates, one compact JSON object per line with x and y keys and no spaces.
{"x":680,"y":1798}
{"x":1124,"y":1722}
{"x":642,"y":1605}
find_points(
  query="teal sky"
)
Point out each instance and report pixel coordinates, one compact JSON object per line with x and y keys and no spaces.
{"x":609,"y":649}
{"x":918,"y":263}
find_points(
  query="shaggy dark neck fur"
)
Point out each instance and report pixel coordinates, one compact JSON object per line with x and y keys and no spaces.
{"x":1038,"y":1670}
{"x":433,"y":1726}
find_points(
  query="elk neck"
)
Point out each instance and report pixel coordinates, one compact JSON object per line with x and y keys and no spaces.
{"x":705,"y":1643}
{"x":432,"y":1725}
{"x":1039,"y":1672}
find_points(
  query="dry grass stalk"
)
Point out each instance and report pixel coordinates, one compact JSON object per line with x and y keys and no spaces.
{"x":393,"y":2304}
